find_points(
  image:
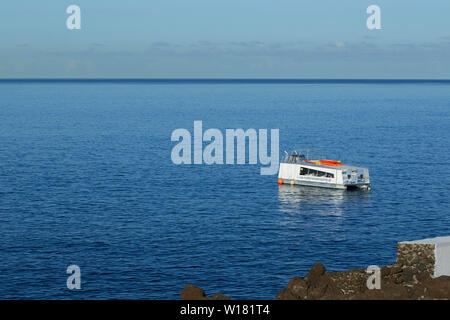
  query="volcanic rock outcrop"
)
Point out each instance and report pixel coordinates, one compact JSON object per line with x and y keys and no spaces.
{"x":191,"y":292}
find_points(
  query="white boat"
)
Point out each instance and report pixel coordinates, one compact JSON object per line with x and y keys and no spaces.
{"x":299,"y":168}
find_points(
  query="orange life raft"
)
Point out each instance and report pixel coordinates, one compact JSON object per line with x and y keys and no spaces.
{"x":326,"y":162}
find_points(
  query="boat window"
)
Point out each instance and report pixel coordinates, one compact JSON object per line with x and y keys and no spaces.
{"x":316,"y":173}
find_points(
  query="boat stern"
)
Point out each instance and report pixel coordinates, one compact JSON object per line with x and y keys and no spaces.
{"x":356,"y":177}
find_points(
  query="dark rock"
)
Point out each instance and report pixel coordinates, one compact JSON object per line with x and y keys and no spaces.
{"x":368,"y":295}
{"x":298,"y":287}
{"x":438,"y":288}
{"x":285,"y":294}
{"x":408,"y":275}
{"x":191,"y":292}
{"x":418,"y":292}
{"x":315,"y":273}
{"x":398,"y":278}
{"x":326,"y":289}
{"x":423,"y":277}
{"x":421,"y":267}
{"x":317,"y":291}
{"x":394,"y":292}
{"x":385,"y":271}
{"x":396,"y":268}
{"x":444,"y":279}
{"x":219,"y":296}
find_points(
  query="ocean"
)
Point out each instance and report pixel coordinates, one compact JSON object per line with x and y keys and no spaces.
{"x":86,"y":178}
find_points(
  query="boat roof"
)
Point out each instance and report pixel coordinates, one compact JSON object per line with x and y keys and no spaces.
{"x":316,"y":153}
{"x":342,"y":166}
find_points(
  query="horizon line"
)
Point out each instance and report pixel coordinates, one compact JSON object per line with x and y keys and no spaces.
{"x":228,"y":80}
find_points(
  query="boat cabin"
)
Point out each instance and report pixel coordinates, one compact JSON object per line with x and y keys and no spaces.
{"x":302,"y":168}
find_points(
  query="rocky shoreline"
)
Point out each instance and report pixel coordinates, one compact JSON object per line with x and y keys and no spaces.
{"x":411,"y":277}
{"x":191,"y":292}
{"x":398,"y":282}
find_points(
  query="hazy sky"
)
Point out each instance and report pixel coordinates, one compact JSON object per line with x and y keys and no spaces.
{"x":225,"y":39}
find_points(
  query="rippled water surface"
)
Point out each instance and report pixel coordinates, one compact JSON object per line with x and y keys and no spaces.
{"x":86,"y":178}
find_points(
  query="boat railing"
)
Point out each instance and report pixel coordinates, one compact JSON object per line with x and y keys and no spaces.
{"x":300,"y":155}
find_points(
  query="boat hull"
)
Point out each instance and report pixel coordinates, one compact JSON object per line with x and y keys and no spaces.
{"x":314,"y":184}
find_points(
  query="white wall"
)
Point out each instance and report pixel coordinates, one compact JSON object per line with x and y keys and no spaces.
{"x":442,"y":266}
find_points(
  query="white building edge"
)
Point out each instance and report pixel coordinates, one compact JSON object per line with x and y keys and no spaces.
{"x":441,"y":253}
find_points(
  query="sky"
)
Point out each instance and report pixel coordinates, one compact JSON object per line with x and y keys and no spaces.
{"x":225,"y":39}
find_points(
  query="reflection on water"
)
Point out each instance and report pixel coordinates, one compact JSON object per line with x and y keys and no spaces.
{"x":321,"y":224}
{"x":314,"y":212}
{"x":319,"y":201}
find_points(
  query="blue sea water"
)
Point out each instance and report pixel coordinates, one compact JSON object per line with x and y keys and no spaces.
{"x":86,"y":178}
